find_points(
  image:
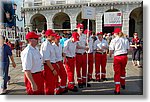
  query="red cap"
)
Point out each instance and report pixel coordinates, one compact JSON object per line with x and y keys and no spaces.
{"x":75,"y":35}
{"x":79,"y":26}
{"x":99,"y":33}
{"x":31,"y":35}
{"x":58,"y":37}
{"x":117,"y":30}
{"x":112,"y":33}
{"x":87,"y":31}
{"x":50,"y":32}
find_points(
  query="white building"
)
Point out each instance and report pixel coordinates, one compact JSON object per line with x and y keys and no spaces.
{"x":65,"y":14}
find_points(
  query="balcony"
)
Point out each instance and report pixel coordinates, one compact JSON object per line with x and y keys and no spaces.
{"x":35,"y":3}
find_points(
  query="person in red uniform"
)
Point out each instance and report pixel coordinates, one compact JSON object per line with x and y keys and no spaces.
{"x":81,"y":57}
{"x":69,"y":57}
{"x":100,"y":47}
{"x":32,"y":62}
{"x":90,"y":54}
{"x":50,"y":67}
{"x":61,"y":71}
{"x":119,"y":46}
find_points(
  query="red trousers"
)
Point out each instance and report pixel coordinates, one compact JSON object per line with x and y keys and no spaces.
{"x":100,"y":60}
{"x":119,"y":69}
{"x":50,"y":80}
{"x":70,"y":66}
{"x":62,"y":74}
{"x":90,"y":65}
{"x":39,"y":80}
{"x":81,"y":65}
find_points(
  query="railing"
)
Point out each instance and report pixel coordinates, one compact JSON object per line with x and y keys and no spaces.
{"x":10,"y":35}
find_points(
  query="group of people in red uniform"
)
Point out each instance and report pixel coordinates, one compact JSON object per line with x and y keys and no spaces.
{"x":51,"y":70}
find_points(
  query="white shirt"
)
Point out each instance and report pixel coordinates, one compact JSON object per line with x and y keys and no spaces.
{"x":31,"y":59}
{"x":48,"y":51}
{"x":98,"y":44}
{"x":82,"y":43}
{"x":69,"y":48}
{"x":58,"y":52}
{"x":91,"y":45}
{"x":119,"y":45}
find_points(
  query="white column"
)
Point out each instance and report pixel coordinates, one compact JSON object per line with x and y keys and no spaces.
{"x":125,"y":25}
{"x":50,"y":23}
{"x":73,"y":22}
{"x":99,"y":22}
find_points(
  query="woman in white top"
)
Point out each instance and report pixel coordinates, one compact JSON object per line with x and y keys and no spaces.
{"x":90,"y":54}
{"x":100,"y":47}
{"x":69,"y":56}
{"x":32,"y":62}
{"x":119,"y":46}
{"x":59,"y":60}
{"x":50,"y":67}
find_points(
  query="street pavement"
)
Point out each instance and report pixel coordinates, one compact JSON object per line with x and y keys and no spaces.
{"x":134,"y":81}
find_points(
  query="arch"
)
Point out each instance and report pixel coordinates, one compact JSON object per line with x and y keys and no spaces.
{"x":136,"y":21}
{"x":92,"y":26}
{"x":108,"y":29}
{"x":39,"y":22}
{"x":61,"y":20}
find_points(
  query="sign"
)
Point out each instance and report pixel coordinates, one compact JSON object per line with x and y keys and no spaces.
{"x":88,"y":13}
{"x":112,"y":19}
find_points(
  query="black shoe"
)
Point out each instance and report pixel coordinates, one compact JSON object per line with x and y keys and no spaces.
{"x":75,"y":89}
{"x":104,"y":79}
{"x":89,"y":80}
{"x":88,"y":85}
{"x":139,"y":66}
{"x":123,"y":87}
{"x":117,"y":93}
{"x":93,"y":79}
{"x":100,"y":80}
{"x":80,"y":85}
{"x":64,"y":91}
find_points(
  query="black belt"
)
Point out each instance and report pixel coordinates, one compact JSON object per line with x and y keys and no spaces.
{"x":59,"y":61}
{"x":69,"y":57}
{"x":122,"y":55}
{"x":36,"y":72}
{"x":80,"y":53}
{"x":101,"y":52}
{"x":51,"y":63}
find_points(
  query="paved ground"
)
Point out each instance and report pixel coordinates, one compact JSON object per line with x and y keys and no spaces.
{"x":134,"y":82}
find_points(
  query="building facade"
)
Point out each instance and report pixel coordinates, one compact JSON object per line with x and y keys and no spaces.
{"x":65,"y":14}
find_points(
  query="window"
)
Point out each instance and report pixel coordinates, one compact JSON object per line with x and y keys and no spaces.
{"x":37,"y":2}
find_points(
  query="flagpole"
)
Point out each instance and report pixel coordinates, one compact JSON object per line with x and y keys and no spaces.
{"x":87,"y":45}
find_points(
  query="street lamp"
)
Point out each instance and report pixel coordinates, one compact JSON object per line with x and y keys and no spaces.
{"x":14,"y":17}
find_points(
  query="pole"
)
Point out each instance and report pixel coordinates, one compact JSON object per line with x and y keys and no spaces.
{"x":87,"y":45}
{"x":15,"y":23}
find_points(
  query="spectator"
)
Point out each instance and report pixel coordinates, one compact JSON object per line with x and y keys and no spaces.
{"x":4,"y":61}
{"x":63,"y":39}
{"x":17,"y":46}
{"x":136,"y":50}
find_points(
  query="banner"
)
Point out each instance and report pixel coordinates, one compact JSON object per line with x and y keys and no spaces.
{"x":112,"y":19}
{"x":88,"y":13}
